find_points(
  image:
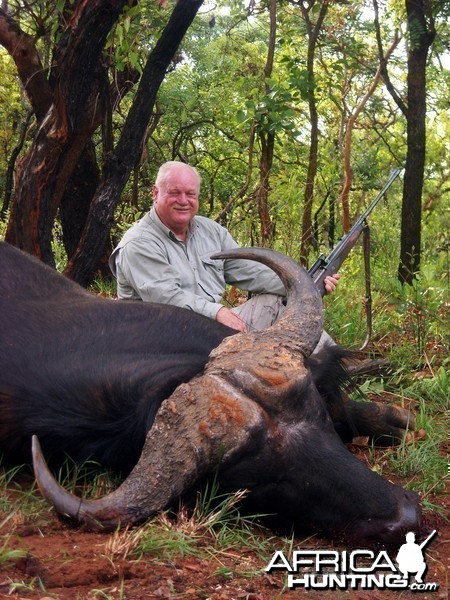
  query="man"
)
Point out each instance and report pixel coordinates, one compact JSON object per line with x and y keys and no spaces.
{"x":165,"y":257}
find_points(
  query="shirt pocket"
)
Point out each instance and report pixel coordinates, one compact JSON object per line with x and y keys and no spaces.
{"x":211,"y":276}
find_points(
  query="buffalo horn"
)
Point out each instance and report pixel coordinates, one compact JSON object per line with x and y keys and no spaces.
{"x":211,"y":419}
{"x":303,"y":318}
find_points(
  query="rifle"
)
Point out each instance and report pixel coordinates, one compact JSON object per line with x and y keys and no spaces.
{"x":329,"y":265}
{"x":428,"y":540}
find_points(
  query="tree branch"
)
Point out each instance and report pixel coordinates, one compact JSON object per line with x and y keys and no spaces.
{"x":26,"y":58}
{"x":383,"y":65}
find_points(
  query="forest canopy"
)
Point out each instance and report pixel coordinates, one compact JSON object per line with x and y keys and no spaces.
{"x":294,"y":113}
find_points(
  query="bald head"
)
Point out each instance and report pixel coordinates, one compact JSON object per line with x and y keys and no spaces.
{"x":173,"y":167}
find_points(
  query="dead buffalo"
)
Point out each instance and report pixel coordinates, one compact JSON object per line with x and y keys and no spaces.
{"x":172,"y":396}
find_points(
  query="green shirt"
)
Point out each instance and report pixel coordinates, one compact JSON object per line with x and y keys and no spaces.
{"x":151,"y":264}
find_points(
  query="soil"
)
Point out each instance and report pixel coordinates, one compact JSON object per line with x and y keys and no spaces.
{"x":61,"y":563}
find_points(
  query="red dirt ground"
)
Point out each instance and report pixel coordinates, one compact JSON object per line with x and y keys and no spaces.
{"x":74,"y":564}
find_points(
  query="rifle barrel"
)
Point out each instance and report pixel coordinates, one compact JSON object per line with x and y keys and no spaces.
{"x":395,"y":173}
{"x":331,"y":263}
{"x":424,"y":543}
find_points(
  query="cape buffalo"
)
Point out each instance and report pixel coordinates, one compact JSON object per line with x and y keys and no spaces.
{"x":166,"y":397}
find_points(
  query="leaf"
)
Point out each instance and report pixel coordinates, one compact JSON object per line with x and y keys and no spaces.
{"x":241,"y":116}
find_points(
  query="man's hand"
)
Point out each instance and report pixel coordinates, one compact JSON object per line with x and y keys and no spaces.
{"x":331,"y":282}
{"x":227,"y":317}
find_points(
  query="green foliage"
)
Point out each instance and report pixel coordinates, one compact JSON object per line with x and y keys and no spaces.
{"x":421,"y":461}
{"x":216,"y":97}
{"x":8,"y":554}
{"x":129,"y":40}
{"x":12,"y":113}
{"x":104,"y":287}
{"x":417,"y":33}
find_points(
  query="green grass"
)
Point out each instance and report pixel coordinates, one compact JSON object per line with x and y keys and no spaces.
{"x":407,"y":322}
{"x":89,"y":480}
{"x":33,"y":585}
{"x":104,"y":287}
{"x":8,"y":554}
{"x":18,"y":494}
{"x":424,"y":461}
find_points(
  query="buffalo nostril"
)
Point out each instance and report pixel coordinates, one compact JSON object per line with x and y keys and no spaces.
{"x":411,"y":513}
{"x":409,"y":517}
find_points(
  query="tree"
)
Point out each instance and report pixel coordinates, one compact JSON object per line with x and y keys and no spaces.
{"x":259,"y":105}
{"x":313,"y":30}
{"x":421,"y":31}
{"x":267,"y":139}
{"x":64,"y":102}
{"x":421,"y":35}
{"x":68,"y":113}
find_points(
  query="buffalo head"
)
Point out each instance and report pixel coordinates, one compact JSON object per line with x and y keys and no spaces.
{"x":256,"y":413}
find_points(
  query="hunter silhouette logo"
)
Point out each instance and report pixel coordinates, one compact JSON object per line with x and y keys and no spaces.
{"x":357,"y":569}
{"x":410,"y":558}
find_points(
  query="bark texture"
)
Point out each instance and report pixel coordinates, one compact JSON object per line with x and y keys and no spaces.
{"x":121,"y":162}
{"x":64,"y":130}
{"x":421,"y":35}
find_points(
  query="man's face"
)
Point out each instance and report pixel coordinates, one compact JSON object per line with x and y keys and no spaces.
{"x":176,"y":199}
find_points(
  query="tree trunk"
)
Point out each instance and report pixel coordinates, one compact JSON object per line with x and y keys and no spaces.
{"x":308,"y":198}
{"x":267,"y":139}
{"x":118,"y":168}
{"x":265,"y":165}
{"x":65,"y":130}
{"x":421,"y":35}
{"x":421,"y":39}
{"x":74,"y":206}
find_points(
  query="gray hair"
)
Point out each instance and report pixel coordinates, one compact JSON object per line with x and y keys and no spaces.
{"x":168,"y":166}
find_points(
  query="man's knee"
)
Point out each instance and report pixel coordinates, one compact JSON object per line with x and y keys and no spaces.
{"x":261,"y":311}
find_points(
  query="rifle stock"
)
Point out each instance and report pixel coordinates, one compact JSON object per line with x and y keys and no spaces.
{"x":329,"y":265}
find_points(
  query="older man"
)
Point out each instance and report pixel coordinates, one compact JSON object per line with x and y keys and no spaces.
{"x":165,"y":257}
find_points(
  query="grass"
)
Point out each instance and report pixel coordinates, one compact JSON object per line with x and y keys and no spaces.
{"x":7,"y":554}
{"x":214,"y":528}
{"x":104,"y":287}
{"x":89,"y":480}
{"x":19,"y":499}
{"x":425,"y":461}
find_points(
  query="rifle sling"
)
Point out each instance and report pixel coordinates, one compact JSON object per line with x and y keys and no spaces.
{"x":367,"y":301}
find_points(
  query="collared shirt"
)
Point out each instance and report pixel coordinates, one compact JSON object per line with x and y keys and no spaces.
{"x":151,"y":264}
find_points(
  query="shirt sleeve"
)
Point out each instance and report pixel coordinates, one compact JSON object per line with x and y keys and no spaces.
{"x":146,"y":268}
{"x":249,"y":275}
{"x":254,"y":277}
